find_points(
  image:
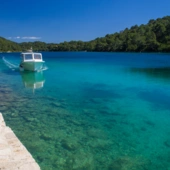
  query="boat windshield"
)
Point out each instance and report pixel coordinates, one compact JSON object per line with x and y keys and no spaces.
{"x":37,"y":56}
{"x":28,"y":56}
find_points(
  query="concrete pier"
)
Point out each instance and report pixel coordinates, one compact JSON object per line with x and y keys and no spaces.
{"x":13,"y":155}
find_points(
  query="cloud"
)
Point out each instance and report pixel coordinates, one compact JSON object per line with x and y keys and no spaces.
{"x":18,"y":37}
{"x":25,"y":38}
{"x":31,"y":38}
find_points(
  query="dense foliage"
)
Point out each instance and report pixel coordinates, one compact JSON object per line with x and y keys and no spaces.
{"x":152,"y":37}
{"x":6,"y":45}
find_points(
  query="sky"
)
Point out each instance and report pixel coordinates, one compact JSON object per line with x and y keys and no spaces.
{"x":55,"y":21}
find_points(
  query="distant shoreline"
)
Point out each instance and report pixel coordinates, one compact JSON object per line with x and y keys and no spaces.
{"x":151,"y":37}
{"x":90,"y":52}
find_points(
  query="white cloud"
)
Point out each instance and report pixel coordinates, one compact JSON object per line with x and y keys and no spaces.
{"x":31,"y":38}
{"x":18,"y":37}
{"x":25,"y":38}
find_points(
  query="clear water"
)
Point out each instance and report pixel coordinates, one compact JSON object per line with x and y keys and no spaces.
{"x":94,"y":111}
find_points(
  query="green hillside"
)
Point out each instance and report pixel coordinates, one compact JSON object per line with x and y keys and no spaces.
{"x":152,"y":37}
{"x":6,"y":45}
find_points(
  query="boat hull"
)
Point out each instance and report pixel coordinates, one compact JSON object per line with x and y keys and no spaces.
{"x":32,"y":65}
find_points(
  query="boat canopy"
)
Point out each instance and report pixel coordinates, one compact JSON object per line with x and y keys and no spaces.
{"x":31,"y":56}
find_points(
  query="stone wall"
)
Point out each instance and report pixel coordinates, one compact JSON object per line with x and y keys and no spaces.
{"x":13,"y":155}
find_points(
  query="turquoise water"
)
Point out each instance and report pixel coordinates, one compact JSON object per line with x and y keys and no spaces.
{"x":94,"y":111}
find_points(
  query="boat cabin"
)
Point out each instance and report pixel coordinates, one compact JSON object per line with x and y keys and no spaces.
{"x":31,"y":57}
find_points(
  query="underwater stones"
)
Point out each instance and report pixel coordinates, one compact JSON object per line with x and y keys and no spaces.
{"x":5,"y":90}
{"x":40,"y":158}
{"x":100,"y":145}
{"x":68,"y":145}
{"x":58,"y":163}
{"x":81,"y":160}
{"x":105,"y":112}
{"x":95,"y":91}
{"x":4,"y":103}
{"x":59,"y":104}
{"x":30,"y":119}
{"x":63,"y":100}
{"x":96,"y":133}
{"x":20,"y":100}
{"x":90,"y":113}
{"x":149,"y":123}
{"x":96,"y":100}
{"x":87,"y":111}
{"x":115,"y":166}
{"x":71,"y":146}
{"x":62,"y":112}
{"x":160,"y":100}
{"x":167,"y":143}
{"x":14,"y":115}
{"x":57,"y":144}
{"x":75,"y":122}
{"x":32,"y":127}
{"x":34,"y":146}
{"x":3,"y":108}
{"x":125,"y":122}
{"x":127,"y":163}
{"x":143,"y":129}
{"x":46,"y":137}
{"x":111,"y":124}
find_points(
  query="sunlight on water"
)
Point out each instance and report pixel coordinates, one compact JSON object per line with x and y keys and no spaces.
{"x":108,"y":111}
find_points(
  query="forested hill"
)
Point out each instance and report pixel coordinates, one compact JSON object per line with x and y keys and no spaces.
{"x":152,"y":37}
{"x":6,"y":45}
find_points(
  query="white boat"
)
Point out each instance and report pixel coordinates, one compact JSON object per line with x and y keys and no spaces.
{"x":31,"y":61}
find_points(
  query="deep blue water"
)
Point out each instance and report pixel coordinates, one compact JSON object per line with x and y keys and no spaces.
{"x":94,"y":111}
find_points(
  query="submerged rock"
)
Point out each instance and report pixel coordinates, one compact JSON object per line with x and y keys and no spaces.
{"x":167,"y":143}
{"x":90,"y":113}
{"x":3,"y":108}
{"x":30,"y":119}
{"x":127,"y":163}
{"x":14,"y":115}
{"x":80,"y":161}
{"x":68,"y":145}
{"x":58,"y":104}
{"x":46,"y":137}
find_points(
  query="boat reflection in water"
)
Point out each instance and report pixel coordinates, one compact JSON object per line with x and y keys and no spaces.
{"x":33,"y":80}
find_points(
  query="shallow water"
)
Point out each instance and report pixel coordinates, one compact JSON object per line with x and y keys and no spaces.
{"x":108,"y":111}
